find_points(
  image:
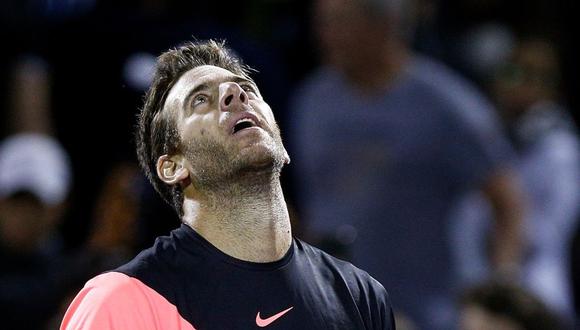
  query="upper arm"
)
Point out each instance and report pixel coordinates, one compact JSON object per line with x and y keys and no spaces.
{"x":385,"y":310}
{"x":117,"y":301}
{"x":373,"y":303}
{"x":554,"y":172}
{"x":503,"y":189}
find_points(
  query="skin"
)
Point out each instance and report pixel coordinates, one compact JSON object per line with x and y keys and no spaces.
{"x":232,"y":192}
{"x":25,"y":222}
{"x":476,"y":318}
{"x":371,"y":54}
{"x":503,"y":191}
{"x":361,"y":46}
{"x":515,"y":95}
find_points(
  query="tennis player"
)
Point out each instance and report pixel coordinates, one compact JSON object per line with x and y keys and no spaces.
{"x":210,"y":145}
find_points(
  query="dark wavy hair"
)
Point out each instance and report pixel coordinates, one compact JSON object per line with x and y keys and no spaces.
{"x":157,"y":134}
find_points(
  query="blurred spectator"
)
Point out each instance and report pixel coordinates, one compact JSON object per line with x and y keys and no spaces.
{"x":500,"y":306}
{"x":34,"y":182}
{"x":115,"y":228}
{"x":35,"y":179}
{"x":474,"y":35}
{"x":113,"y":235}
{"x":30,"y":97}
{"x":526,"y":89}
{"x":384,"y":143}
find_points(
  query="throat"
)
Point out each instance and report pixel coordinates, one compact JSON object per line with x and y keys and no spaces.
{"x":246,"y":220}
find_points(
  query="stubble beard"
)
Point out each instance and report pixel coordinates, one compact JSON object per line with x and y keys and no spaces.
{"x":217,"y":165}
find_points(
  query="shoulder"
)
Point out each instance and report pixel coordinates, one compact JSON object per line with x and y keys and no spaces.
{"x":157,"y":260}
{"x":370,"y":297}
{"x":111,"y":283}
{"x":106,"y":296}
{"x":450,"y":90}
{"x":443,"y":80}
{"x":117,"y":301}
{"x":358,"y":280}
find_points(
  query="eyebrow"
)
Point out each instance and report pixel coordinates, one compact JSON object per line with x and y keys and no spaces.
{"x":240,"y":79}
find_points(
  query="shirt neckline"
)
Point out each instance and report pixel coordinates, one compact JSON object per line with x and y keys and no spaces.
{"x":192,"y":238}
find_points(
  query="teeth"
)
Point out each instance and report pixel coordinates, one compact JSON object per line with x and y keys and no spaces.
{"x":243,"y":123}
{"x":246,"y":119}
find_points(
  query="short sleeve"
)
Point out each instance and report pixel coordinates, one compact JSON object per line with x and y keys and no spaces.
{"x":116,"y":301}
{"x":382,"y":317}
{"x":373,"y":302}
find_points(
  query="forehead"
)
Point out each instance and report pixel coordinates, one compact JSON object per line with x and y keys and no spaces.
{"x":334,"y":8}
{"x":199,"y":75}
{"x":205,"y":73}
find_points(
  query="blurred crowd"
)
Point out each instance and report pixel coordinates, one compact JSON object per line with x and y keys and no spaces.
{"x":434,"y":144}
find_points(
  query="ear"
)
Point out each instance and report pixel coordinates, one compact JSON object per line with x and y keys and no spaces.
{"x":171,"y":170}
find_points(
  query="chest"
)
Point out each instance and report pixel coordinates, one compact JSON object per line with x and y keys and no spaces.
{"x":274,"y":300}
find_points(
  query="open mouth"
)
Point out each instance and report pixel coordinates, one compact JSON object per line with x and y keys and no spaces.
{"x":243,"y":124}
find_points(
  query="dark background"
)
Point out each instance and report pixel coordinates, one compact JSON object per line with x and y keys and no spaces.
{"x":87,"y":43}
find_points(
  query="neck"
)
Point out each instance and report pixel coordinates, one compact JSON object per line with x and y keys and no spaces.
{"x":246,"y":219}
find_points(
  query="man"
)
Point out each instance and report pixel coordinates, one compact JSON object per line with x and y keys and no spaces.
{"x":526,"y":89}
{"x":209,"y":143}
{"x":387,"y":141}
{"x":35,"y":179}
{"x":35,"y":182}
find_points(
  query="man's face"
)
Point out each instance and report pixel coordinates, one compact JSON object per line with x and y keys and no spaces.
{"x":23,"y":222}
{"x":528,"y":78}
{"x":348,"y":37}
{"x":224,"y":124}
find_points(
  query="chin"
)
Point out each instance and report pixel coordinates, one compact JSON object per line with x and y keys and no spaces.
{"x":262,"y":156}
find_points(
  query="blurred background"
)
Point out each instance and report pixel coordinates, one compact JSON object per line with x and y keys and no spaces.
{"x":73,"y":202}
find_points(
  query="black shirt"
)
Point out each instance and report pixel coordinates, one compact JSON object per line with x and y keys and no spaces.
{"x":306,"y":289}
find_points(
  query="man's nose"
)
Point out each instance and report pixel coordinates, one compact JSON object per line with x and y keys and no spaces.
{"x":232,"y":96}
